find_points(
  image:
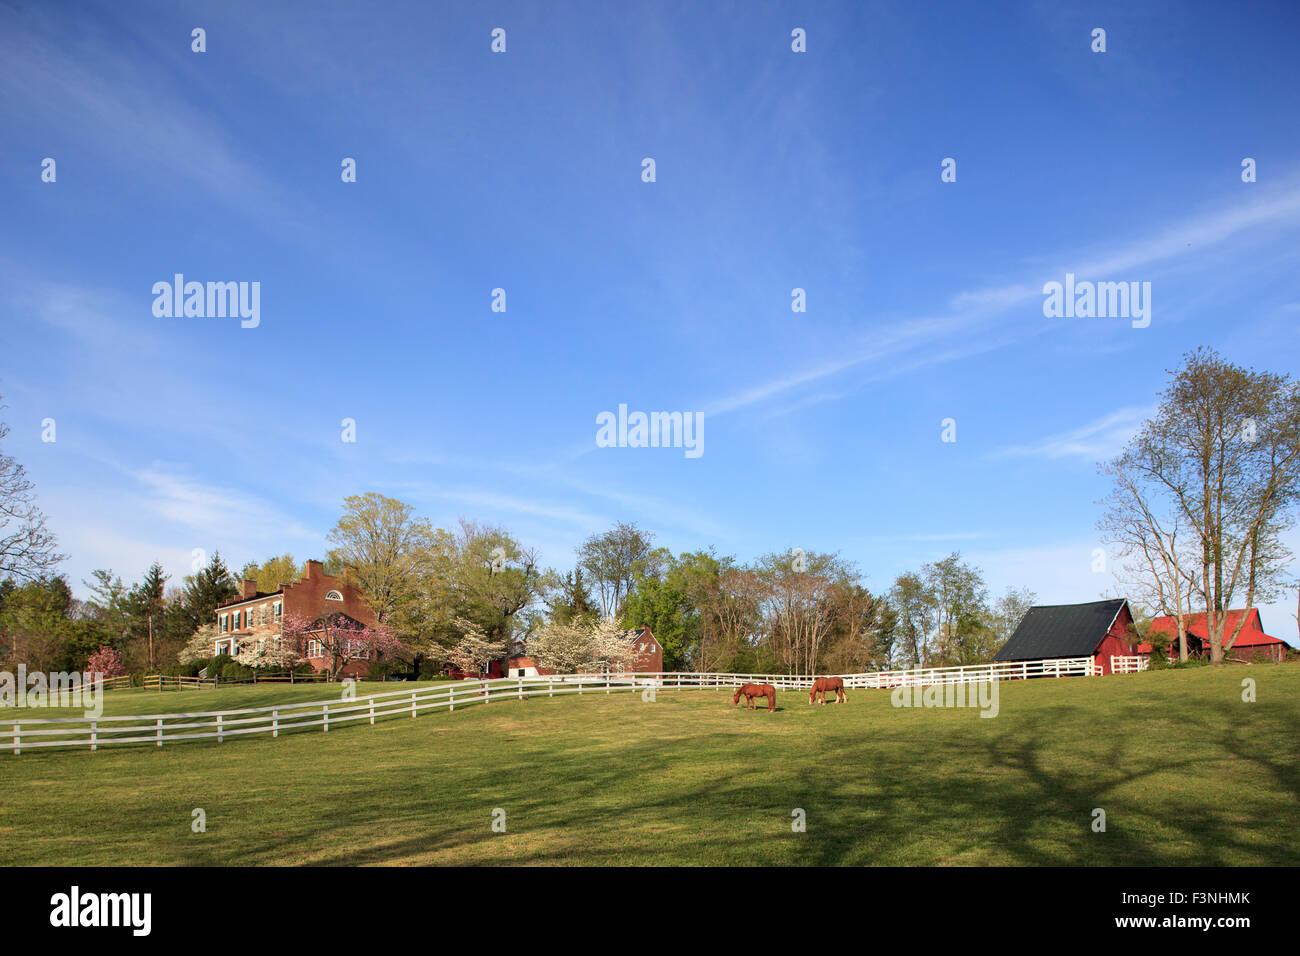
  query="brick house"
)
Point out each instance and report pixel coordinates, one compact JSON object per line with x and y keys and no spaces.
{"x":259,"y":615}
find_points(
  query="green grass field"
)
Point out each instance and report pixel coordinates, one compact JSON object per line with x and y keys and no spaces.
{"x":1187,"y":773}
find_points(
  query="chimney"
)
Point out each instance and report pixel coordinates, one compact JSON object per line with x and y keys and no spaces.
{"x":315,"y":569}
{"x":250,"y":588}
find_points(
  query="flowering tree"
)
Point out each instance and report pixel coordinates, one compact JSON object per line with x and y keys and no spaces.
{"x":105,"y":662}
{"x":340,"y":640}
{"x":578,"y":645}
{"x":199,"y":647}
{"x":270,"y":651}
{"x":474,"y":652}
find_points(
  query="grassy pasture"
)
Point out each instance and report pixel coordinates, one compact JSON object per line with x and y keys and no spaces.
{"x":1187,"y":773}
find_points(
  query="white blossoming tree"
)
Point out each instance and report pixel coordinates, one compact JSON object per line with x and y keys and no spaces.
{"x":474,"y":652}
{"x":579,"y":645}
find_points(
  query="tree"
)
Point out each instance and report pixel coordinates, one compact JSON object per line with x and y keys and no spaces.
{"x":959,"y":593}
{"x":340,"y":639}
{"x":917,"y":610}
{"x":493,"y":578}
{"x":568,"y":647}
{"x":205,"y":591}
{"x":797,"y":605}
{"x":732,"y":617}
{"x":671,"y":603}
{"x":27,"y":548}
{"x":1222,"y":455}
{"x":147,"y":602}
{"x":381,"y":543}
{"x":105,"y":662}
{"x":1155,"y":564}
{"x":570,"y":598}
{"x":274,"y":573}
{"x":1007,"y":613}
{"x":613,"y":560}
{"x":474,"y":652}
{"x":200,"y":646}
{"x":110,"y":606}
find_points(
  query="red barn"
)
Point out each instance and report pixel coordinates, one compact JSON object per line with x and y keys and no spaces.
{"x":1099,"y":630}
{"x":1251,"y":644}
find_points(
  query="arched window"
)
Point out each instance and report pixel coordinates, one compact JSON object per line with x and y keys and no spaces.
{"x":333,"y":596}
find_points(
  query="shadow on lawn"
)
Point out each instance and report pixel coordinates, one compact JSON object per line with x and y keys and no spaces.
{"x":1012,"y":799}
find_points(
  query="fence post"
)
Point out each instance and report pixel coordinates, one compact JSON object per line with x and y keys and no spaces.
{"x":521,"y":687}
{"x":94,"y":745}
{"x":18,"y":739}
{"x":452,"y":699}
{"x":372,"y":712}
{"x":550,"y":688}
{"x":372,"y":707}
{"x":275,"y":723}
{"x":160,"y":729}
{"x":220,"y":739}
{"x":325,"y":716}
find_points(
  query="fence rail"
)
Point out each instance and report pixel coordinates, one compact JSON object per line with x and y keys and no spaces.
{"x":1129,"y":665}
{"x":156,"y":729}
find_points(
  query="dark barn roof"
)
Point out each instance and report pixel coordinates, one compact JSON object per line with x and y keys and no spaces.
{"x":1060,"y":630}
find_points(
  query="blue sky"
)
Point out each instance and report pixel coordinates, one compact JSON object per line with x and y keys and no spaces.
{"x":522,"y":171}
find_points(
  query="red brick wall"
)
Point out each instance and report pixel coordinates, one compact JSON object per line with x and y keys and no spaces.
{"x":306,"y":598}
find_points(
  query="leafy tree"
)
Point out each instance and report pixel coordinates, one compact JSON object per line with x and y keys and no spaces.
{"x":274,"y":573}
{"x":614,"y":560}
{"x":381,"y":543}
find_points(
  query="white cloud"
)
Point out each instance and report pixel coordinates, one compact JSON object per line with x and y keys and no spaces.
{"x":1099,"y":439}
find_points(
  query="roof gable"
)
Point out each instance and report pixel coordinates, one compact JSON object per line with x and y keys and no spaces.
{"x":1061,"y":630}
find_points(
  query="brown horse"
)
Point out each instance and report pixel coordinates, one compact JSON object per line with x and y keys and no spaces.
{"x":822,"y":684}
{"x":750,"y":691}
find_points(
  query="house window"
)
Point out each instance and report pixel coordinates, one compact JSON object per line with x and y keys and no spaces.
{"x":315,"y":648}
{"x":277,"y":610}
{"x":263,"y":617}
{"x":333,"y":596}
{"x":221,"y":624}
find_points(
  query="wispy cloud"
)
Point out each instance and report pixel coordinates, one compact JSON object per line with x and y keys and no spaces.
{"x":921,"y":338}
{"x":1098,"y":439}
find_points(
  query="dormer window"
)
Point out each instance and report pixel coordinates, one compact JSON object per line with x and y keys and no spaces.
{"x":333,"y":596}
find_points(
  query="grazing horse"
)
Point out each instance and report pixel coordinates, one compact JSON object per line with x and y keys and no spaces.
{"x":822,"y":684}
{"x":750,"y":691}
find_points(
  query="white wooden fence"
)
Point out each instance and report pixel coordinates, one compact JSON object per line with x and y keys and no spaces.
{"x":1129,"y":665}
{"x":45,"y":732}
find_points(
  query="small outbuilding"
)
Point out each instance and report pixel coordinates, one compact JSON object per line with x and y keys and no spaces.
{"x":1100,"y":630}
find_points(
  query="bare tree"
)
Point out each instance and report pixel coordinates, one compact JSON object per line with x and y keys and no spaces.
{"x":1223,"y":454}
{"x":27,"y":548}
{"x":1155,"y":566}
